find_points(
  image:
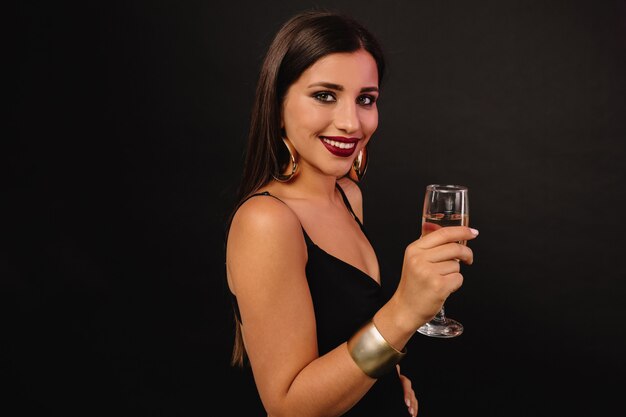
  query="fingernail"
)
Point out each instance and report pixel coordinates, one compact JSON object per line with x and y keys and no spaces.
{"x":408,"y":402}
{"x":474,"y":231}
{"x":411,"y":410}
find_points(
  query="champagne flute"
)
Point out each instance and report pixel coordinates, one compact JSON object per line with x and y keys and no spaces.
{"x":444,"y":205}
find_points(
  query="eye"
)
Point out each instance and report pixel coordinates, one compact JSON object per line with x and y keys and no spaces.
{"x":325,"y":96}
{"x":366,"y":100}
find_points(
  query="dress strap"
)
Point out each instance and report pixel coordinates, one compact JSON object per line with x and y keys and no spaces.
{"x":267,"y":193}
{"x":347,"y":203}
{"x":254,"y":195}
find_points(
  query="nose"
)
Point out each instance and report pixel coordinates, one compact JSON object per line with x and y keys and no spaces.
{"x":347,"y":117}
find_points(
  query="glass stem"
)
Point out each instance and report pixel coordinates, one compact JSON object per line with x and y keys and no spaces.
{"x":441,"y":315}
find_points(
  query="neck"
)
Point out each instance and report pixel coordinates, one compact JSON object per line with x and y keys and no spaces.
{"x":312,"y":184}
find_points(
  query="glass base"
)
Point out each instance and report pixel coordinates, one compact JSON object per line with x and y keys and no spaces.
{"x":441,"y":328}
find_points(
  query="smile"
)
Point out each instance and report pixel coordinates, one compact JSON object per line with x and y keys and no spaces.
{"x":340,"y":146}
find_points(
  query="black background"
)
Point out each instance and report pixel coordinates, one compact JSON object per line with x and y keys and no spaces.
{"x":130,"y":121}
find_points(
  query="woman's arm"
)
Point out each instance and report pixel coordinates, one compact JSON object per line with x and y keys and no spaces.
{"x":266,"y":258}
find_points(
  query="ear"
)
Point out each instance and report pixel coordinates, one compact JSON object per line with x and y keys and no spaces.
{"x":282,"y":116}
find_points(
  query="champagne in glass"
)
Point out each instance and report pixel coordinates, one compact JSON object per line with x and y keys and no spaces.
{"x":444,"y":205}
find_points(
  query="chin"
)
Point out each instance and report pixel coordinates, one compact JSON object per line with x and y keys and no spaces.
{"x":339,"y":174}
{"x":337,"y":170}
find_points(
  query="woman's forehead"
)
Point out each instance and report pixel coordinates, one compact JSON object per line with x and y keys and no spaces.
{"x":345,"y":68}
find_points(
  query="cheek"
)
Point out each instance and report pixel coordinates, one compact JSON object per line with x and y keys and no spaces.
{"x":301,"y":116}
{"x":370,"y":122}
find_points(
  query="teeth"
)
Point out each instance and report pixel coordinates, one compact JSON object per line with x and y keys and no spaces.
{"x":340,"y":145}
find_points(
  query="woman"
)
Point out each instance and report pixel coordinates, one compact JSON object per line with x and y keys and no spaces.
{"x":311,"y":317}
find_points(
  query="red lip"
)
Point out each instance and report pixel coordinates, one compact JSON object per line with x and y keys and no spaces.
{"x":341,"y":139}
{"x":339,"y":151}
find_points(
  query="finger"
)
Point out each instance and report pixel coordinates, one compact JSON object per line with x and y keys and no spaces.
{"x":450,"y":251}
{"x":455,"y":280}
{"x":447,"y":268}
{"x":447,"y":235}
{"x":409,"y":394}
{"x":406,"y":385}
{"x":412,"y":404}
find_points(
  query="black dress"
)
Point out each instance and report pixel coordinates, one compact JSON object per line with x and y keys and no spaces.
{"x":344,"y":298}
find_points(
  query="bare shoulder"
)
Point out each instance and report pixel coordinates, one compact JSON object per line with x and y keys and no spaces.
{"x":354,"y":195}
{"x":263,"y":218}
{"x":264,"y":231}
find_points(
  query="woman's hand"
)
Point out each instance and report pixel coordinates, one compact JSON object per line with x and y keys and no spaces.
{"x":409,"y":395}
{"x":431,"y":271}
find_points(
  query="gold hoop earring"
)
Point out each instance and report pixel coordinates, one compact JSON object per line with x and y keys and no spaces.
{"x":288,"y":173}
{"x":359,"y":166}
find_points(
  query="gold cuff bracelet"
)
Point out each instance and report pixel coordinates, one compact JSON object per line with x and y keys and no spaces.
{"x":372,"y":353}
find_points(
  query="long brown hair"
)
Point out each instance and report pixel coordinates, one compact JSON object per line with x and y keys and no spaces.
{"x":299,"y":43}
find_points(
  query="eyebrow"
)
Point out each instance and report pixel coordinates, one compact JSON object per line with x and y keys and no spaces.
{"x":338,"y":87}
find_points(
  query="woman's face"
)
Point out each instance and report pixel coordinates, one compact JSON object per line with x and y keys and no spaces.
{"x":330,"y":113}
